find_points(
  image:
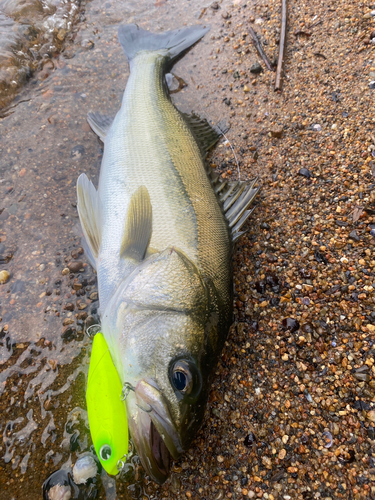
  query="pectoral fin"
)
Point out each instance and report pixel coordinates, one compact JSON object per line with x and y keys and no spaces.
{"x":138,"y":226}
{"x":89,"y":211}
{"x":100,"y":124}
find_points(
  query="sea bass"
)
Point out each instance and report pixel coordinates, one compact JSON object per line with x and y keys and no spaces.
{"x":160,"y":231}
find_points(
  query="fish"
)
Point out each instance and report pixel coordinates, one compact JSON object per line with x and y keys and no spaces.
{"x":160,"y":230}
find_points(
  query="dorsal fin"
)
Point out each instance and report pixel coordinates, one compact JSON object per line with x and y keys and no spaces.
{"x":138,"y":226}
{"x":205,"y":134}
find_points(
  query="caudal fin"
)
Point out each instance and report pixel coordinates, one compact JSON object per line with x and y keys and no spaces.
{"x":134,"y":39}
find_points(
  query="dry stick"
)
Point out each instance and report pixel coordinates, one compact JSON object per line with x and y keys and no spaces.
{"x":260,"y":50}
{"x":280,"y":61}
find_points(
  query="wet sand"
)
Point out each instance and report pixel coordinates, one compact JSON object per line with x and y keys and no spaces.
{"x":298,"y":361}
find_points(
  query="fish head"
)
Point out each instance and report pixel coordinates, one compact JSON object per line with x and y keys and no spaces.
{"x":165,"y":319}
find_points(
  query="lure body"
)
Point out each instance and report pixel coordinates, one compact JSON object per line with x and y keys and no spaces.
{"x":106,"y":410}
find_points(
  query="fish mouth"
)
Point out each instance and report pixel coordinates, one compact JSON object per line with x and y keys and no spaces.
{"x":152,"y":429}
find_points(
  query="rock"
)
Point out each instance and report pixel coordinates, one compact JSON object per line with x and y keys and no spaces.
{"x":256,"y":68}
{"x":277,"y":132}
{"x":61,"y":34}
{"x":75,"y":266}
{"x":4,"y":276}
{"x":59,"y":486}
{"x":215,"y":6}
{"x":85,"y":468}
{"x":69,"y":306}
{"x":68,"y":332}
{"x":77,"y":153}
{"x":65,"y":271}
{"x":246,"y":88}
{"x":371,"y":415}
{"x":354,"y":236}
{"x":316,"y":127}
{"x":372,"y":85}
{"x":290,"y":324}
{"x":304,"y":172}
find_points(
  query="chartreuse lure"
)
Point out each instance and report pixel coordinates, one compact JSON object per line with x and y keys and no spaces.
{"x":106,"y":410}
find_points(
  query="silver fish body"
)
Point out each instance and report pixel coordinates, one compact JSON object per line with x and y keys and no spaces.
{"x":161,"y":242}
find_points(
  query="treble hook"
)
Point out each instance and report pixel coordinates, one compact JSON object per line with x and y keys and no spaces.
{"x":126,"y":389}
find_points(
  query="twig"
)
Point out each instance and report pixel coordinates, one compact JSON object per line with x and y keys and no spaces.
{"x":260,"y":50}
{"x":280,"y":61}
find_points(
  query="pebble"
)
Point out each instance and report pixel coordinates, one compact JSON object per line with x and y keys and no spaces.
{"x":277,"y":132}
{"x":84,"y":469}
{"x":60,"y":492}
{"x":304,"y":172}
{"x":256,"y":68}
{"x":75,"y":266}
{"x":4,"y":277}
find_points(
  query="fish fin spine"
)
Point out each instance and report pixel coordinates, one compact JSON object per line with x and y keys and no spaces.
{"x":138,"y":226}
{"x":235,"y":199}
{"x":205,"y":134}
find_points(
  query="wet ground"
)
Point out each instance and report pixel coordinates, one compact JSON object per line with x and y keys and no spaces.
{"x":292,"y":407}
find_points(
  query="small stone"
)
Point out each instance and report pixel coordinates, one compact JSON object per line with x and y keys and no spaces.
{"x":77,"y":153}
{"x":371,"y":415}
{"x":277,"y":132}
{"x":68,"y":321}
{"x":75,"y":266}
{"x":68,"y":332}
{"x":246,"y":88}
{"x":354,"y":236}
{"x":94,"y":296}
{"x":65,"y":271}
{"x":4,"y":276}
{"x":85,"y":468}
{"x":69,"y":306}
{"x":282,"y":454}
{"x":372,"y":85}
{"x":316,"y":127}
{"x":290,"y":324}
{"x":61,"y":34}
{"x":220,"y":459}
{"x":215,"y":6}
{"x":285,"y":357}
{"x":305,"y":173}
{"x":256,"y":68}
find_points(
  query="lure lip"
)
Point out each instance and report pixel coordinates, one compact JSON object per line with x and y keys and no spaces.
{"x":152,"y":429}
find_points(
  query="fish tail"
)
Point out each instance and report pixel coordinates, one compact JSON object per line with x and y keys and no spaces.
{"x":172,"y":43}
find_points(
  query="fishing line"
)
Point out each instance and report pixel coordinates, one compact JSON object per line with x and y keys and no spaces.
{"x":234,"y":154}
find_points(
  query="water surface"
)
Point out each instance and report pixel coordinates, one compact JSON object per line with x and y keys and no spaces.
{"x":45,"y":143}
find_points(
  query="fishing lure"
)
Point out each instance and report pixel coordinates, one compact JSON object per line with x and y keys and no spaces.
{"x":106,"y":408}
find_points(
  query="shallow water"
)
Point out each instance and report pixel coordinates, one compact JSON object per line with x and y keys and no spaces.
{"x":45,"y":143}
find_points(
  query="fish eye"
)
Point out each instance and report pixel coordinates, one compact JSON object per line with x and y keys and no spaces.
{"x":182,"y":378}
{"x":105,"y":452}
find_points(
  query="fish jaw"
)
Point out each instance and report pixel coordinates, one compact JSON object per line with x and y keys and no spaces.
{"x":154,"y":434}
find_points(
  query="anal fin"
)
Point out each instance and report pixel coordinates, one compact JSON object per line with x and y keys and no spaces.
{"x":138,"y":226}
{"x":89,"y":211}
